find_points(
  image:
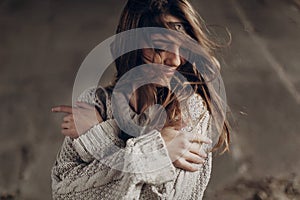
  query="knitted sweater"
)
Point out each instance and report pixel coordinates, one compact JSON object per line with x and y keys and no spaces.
{"x":83,"y":168}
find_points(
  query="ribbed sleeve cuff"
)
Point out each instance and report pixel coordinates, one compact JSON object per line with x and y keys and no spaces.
{"x":99,"y":141}
{"x":148,"y":158}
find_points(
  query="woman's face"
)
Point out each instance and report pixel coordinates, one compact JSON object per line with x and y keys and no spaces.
{"x":172,"y":58}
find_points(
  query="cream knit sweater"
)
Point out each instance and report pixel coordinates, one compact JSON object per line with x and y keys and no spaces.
{"x":83,"y":168}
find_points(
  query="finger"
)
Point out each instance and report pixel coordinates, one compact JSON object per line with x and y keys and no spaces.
{"x":62,"y":108}
{"x":196,"y":149}
{"x":84,"y":105}
{"x":199,"y":138}
{"x":68,"y":118}
{"x":203,"y":153}
{"x":72,"y":133}
{"x":82,"y":111}
{"x":185,"y":165}
{"x":190,"y":157}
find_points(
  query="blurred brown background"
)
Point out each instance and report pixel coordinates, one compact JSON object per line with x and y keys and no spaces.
{"x":43,"y":42}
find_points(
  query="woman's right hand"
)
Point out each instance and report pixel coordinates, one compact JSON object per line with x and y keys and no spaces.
{"x":85,"y":116}
{"x":185,"y":148}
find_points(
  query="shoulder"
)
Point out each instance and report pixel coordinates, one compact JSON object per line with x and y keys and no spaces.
{"x":100,"y":98}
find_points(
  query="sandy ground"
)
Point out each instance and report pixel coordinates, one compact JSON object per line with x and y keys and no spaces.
{"x":42,"y":44}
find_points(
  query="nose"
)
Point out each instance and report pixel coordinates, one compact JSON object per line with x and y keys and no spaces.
{"x":172,"y":59}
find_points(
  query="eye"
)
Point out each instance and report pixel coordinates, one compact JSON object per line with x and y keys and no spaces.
{"x":178,"y":27}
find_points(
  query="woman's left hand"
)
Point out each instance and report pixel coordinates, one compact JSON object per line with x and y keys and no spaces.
{"x":79,"y":119}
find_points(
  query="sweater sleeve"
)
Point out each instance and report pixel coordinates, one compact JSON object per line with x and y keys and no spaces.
{"x":187,"y":185}
{"x":71,"y":175}
{"x":95,"y":163}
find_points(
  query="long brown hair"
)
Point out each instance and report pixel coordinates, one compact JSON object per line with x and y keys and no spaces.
{"x":149,"y":13}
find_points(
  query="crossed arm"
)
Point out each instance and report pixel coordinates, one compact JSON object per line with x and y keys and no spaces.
{"x":80,"y":156}
{"x":183,"y":149}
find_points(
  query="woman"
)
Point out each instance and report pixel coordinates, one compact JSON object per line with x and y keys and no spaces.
{"x":96,"y":159}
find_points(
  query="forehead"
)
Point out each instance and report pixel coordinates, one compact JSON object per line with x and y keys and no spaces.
{"x":171,"y":18}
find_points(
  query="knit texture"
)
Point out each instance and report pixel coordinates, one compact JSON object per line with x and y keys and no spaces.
{"x":99,"y":165}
